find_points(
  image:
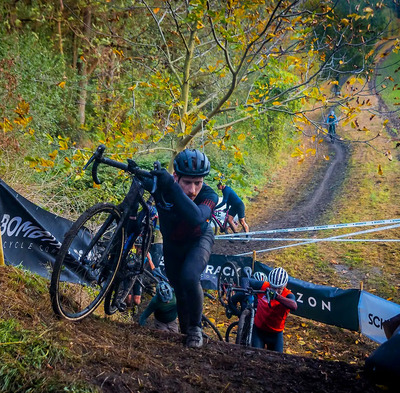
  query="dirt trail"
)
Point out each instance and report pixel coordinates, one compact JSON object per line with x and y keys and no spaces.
{"x":312,"y":198}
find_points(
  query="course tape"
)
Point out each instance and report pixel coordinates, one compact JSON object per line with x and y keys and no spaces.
{"x":324,"y":239}
{"x":289,"y":239}
{"x":315,"y":228}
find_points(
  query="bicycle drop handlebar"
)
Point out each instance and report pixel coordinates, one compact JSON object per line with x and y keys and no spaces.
{"x":131,"y":167}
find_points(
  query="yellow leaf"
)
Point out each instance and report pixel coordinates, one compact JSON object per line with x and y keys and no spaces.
{"x":63,"y":145}
{"x":276,"y":103}
{"x":334,"y":82}
{"x":6,"y":125}
{"x":241,"y":137}
{"x":344,"y":21}
{"x":380,"y":171}
{"x":96,"y":185}
{"x":22,"y":108}
{"x":385,"y":122}
{"x":53,"y":154}
{"x":199,"y":25}
{"x":61,"y":84}
{"x":326,"y":158}
{"x":156,"y":10}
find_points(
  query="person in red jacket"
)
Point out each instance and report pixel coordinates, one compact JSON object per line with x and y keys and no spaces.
{"x":272,"y":310}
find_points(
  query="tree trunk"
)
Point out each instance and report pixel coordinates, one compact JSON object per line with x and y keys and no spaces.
{"x":83,"y":66}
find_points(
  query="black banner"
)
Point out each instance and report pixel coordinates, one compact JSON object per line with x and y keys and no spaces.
{"x":31,"y":236}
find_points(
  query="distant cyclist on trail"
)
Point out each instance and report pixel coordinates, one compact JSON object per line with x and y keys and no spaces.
{"x":332,"y":121}
{"x":187,"y":235}
{"x":272,"y":310}
{"x":235,"y":206}
{"x":163,"y":305}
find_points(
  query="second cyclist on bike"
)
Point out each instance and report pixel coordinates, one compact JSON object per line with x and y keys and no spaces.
{"x":235,"y":206}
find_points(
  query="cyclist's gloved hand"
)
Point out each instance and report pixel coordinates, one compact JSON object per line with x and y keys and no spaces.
{"x":271,"y":295}
{"x":165,"y":180}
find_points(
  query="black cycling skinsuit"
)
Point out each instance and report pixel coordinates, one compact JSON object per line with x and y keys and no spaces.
{"x":187,"y":243}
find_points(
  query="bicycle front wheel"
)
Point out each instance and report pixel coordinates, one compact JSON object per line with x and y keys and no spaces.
{"x":231,"y":332}
{"x":87,"y":262}
{"x":210,"y":331}
{"x":244,"y":332}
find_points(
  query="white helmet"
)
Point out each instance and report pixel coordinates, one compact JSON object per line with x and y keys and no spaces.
{"x":260,"y":276}
{"x":278,"y":277}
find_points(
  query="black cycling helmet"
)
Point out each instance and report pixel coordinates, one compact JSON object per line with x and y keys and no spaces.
{"x":191,"y":163}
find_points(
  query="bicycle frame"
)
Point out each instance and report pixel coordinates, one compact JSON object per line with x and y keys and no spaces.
{"x":105,"y":234}
{"x":222,"y":225}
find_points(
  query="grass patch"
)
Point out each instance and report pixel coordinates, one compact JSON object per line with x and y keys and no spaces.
{"x":390,"y":78}
{"x":27,"y":358}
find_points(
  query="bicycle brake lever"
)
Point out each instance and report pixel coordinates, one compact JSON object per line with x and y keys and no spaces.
{"x":94,"y":172}
{"x":157,"y":166}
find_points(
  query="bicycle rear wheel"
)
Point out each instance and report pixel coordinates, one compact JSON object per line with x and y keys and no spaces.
{"x":87,"y":262}
{"x":210,"y":331}
{"x":231,"y":332}
{"x":228,"y":277}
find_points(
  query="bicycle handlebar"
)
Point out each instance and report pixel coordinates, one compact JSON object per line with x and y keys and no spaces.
{"x":131,"y":167}
{"x":249,"y":290}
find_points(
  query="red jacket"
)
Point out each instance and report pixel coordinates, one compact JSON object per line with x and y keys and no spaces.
{"x":271,"y":318}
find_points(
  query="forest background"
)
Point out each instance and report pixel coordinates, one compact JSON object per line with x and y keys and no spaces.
{"x":250,"y":82}
{"x":240,"y":79}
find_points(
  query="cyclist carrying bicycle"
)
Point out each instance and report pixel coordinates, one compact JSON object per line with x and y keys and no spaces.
{"x":163,"y":305}
{"x":257,"y":281}
{"x":332,"y":121}
{"x":272,"y":311}
{"x":235,"y":206}
{"x":187,"y":236}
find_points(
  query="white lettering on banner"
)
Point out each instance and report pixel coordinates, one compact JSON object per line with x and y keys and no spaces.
{"x":14,"y":226}
{"x":312,"y":302}
{"x":18,"y":245}
{"x":326,"y":306}
{"x":300,"y":297}
{"x":208,"y":270}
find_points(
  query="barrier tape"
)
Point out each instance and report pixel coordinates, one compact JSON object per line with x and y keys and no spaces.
{"x":315,"y":228}
{"x":319,"y":240}
{"x":289,"y":239}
